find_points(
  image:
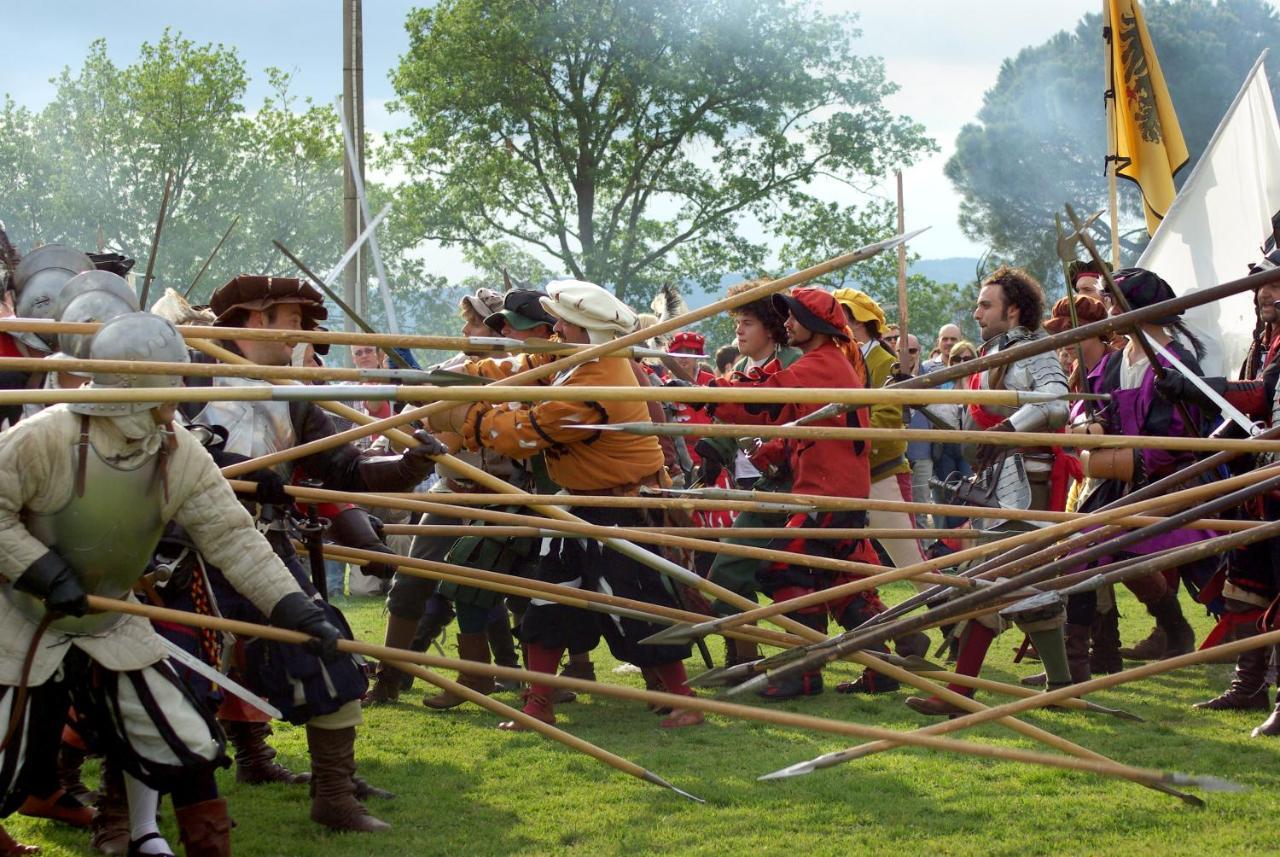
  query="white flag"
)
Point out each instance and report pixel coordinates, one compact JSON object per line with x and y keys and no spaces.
{"x":1218,"y":220}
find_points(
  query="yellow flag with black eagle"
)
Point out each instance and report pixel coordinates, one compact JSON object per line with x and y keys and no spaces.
{"x":1147,"y":145}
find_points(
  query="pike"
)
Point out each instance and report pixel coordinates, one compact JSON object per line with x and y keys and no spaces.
{"x":495,"y":344}
{"x":1154,"y":668}
{"x":389,"y":428}
{"x":155,"y":240}
{"x":1254,"y":484}
{"x":212,"y":255}
{"x":1010,"y":438}
{"x":1160,"y":779}
{"x":1027,"y":556}
{"x":349,"y":254}
{"x":350,"y":313}
{"x":1066,"y":254}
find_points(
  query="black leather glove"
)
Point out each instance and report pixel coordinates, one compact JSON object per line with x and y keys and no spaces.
{"x":989,"y":453}
{"x":297,"y":611}
{"x":354,"y":528}
{"x":270,"y":490}
{"x":52,"y":581}
{"x":712,"y":464}
{"x":416,"y":463}
{"x":1176,"y":387}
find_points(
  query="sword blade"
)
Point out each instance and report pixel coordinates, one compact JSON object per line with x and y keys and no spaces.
{"x":232,"y":687}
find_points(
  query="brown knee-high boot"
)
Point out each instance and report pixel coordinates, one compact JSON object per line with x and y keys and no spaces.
{"x":1248,"y":688}
{"x":471,"y":647}
{"x":333,"y":788}
{"x":204,"y":828}
{"x":387,"y":684}
{"x":255,"y":758}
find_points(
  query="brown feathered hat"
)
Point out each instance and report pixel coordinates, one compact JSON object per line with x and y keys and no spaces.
{"x":248,"y":292}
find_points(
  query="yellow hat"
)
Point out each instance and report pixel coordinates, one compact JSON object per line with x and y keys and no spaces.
{"x":861,"y":305}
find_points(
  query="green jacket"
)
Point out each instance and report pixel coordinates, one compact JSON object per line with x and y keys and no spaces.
{"x":727,"y":447}
{"x":884,"y":453}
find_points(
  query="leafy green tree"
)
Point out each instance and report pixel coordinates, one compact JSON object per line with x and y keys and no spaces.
{"x":628,"y":141}
{"x":1040,"y":136}
{"x":89,"y":168}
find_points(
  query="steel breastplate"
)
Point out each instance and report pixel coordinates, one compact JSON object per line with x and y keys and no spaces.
{"x":107,"y":534}
{"x":253,"y":429}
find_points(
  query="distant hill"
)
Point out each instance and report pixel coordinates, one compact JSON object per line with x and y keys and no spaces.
{"x":957,"y":269}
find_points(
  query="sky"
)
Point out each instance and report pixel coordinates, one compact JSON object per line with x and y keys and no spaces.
{"x":944,"y":55}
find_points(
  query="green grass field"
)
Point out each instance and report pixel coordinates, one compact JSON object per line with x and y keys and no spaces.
{"x":466,"y":788}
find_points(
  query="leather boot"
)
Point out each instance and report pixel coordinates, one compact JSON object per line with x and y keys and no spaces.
{"x":333,"y":768}
{"x":1105,"y":657}
{"x":1178,"y":631}
{"x":110,"y":826}
{"x":471,"y":647}
{"x":1248,"y":688}
{"x":204,"y":828}
{"x":1270,"y":727}
{"x":435,"y":619}
{"x":10,"y":847}
{"x":740,"y":652}
{"x":579,"y":666}
{"x":503,"y":646}
{"x":255,"y":758}
{"x":798,"y":684}
{"x":58,"y":806}
{"x":389,"y":680}
{"x":1076,"y":639}
{"x":70,"y":760}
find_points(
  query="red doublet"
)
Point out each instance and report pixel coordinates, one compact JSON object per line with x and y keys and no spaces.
{"x":831,"y":468}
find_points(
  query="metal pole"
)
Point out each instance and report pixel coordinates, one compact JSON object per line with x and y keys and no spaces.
{"x":902,"y":279}
{"x":350,"y":208}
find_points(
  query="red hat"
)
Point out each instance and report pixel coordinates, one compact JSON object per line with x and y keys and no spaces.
{"x":688,"y":340}
{"x":1088,"y":310}
{"x":816,"y":309}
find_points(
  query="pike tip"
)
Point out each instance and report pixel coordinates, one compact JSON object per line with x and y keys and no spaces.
{"x":1205,"y":783}
{"x":797,"y":770}
{"x":651,"y":777}
{"x":682,"y":632}
{"x":757,"y":683}
{"x":710,"y":678}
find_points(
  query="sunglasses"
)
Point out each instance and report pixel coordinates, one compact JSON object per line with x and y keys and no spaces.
{"x":965,"y":359}
{"x":913,"y":350}
{"x":892,"y":337}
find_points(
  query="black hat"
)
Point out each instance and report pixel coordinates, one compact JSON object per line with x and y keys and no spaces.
{"x":1081,"y":268}
{"x":1143,"y":288}
{"x":522,"y":310}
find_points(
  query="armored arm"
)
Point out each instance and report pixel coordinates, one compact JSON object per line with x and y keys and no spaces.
{"x":1041,"y":373}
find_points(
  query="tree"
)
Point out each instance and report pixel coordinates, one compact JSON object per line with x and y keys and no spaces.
{"x":90,"y":167}
{"x":1040,"y":137}
{"x":628,"y":141}
{"x":825,"y":231}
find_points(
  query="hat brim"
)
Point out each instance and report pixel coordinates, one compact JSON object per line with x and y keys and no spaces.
{"x":788,"y":305}
{"x":514,"y":319}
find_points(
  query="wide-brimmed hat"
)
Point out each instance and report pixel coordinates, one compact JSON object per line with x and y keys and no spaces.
{"x":588,"y":306}
{"x":814,"y":308}
{"x":250,"y":292}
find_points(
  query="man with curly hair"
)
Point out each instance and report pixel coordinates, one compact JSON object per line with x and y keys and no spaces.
{"x":1009,"y":312}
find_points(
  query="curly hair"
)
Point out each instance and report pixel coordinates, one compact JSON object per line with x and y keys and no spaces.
{"x":1022,"y":290}
{"x":761,"y":310}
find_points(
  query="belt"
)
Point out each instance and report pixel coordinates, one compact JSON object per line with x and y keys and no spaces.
{"x":885,"y":467}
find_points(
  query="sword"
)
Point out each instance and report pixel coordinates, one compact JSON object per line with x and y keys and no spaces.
{"x":232,"y":687}
{"x":1229,"y":410}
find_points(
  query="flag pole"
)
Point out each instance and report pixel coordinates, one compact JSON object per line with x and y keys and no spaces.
{"x":1109,"y":98}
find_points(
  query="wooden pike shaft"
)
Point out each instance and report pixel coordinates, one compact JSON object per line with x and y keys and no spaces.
{"x":582,"y":528}
{"x":802,"y":503}
{"x":998,"y":438}
{"x":530,"y":722}
{"x":1177,"y":500}
{"x":1224,"y":650}
{"x":389,"y":427}
{"x":464,"y":393}
{"x":478,"y":345}
{"x":774,"y":716}
{"x":606,"y":603}
{"x":890,"y":533}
